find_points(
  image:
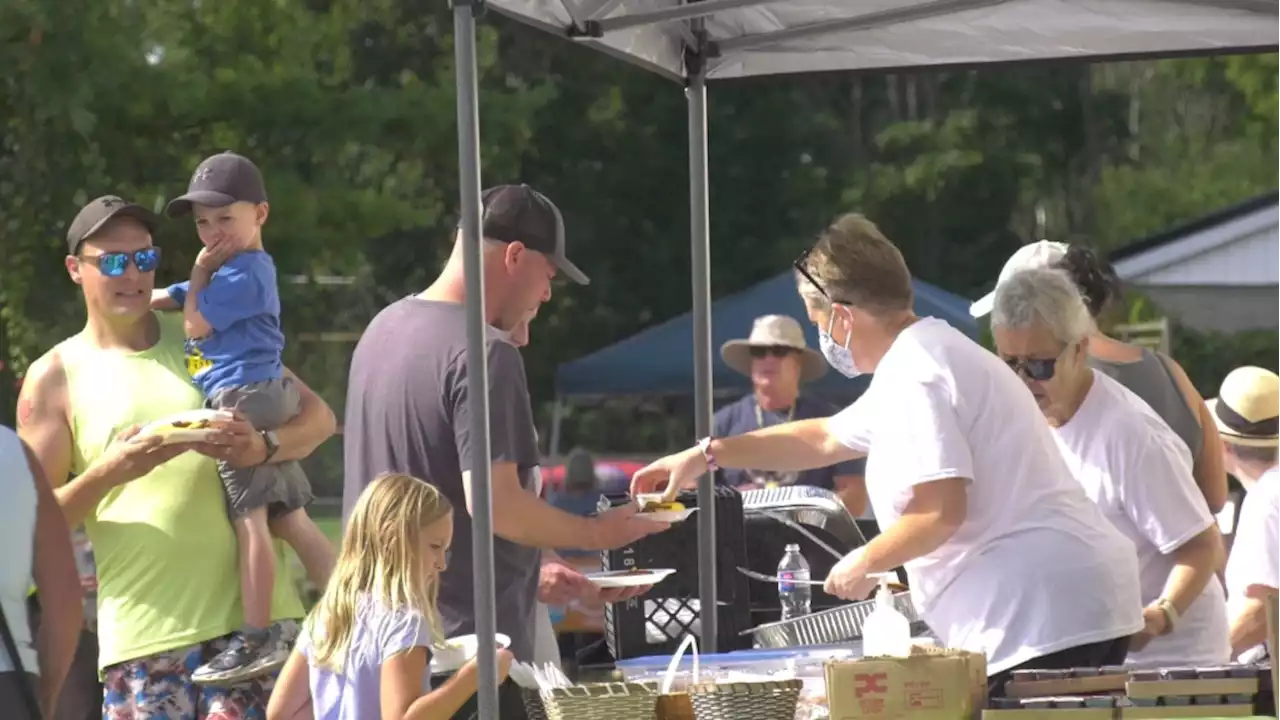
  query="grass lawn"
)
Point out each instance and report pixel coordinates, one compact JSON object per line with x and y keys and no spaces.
{"x":329,"y":519}
{"x":331,"y":527}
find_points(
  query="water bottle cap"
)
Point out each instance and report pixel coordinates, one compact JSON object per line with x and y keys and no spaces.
{"x":791,"y":547}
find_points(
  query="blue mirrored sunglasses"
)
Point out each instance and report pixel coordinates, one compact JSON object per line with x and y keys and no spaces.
{"x":114,"y":264}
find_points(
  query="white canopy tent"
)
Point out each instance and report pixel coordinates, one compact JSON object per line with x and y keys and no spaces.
{"x":691,"y":42}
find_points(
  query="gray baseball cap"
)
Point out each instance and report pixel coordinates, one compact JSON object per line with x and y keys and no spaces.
{"x":96,"y":213}
{"x":219,"y":181}
{"x":518,"y":213}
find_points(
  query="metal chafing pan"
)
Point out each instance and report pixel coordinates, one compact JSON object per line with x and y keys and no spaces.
{"x":827,"y":627}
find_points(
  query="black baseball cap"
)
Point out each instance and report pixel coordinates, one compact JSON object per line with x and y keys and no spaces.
{"x":99,"y":211}
{"x":219,"y":181}
{"x":518,"y":213}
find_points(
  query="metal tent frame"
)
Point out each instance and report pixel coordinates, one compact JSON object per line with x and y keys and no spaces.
{"x":691,"y":42}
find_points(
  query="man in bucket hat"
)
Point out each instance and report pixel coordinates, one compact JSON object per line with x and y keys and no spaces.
{"x":778,"y":362}
{"x":1247,"y":412}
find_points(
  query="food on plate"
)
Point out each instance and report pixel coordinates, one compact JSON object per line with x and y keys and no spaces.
{"x":648,"y":506}
{"x":191,"y":424}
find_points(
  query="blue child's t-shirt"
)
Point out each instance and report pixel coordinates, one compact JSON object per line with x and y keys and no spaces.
{"x":241,"y":303}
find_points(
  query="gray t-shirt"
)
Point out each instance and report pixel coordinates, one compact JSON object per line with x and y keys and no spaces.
{"x":407,"y":411}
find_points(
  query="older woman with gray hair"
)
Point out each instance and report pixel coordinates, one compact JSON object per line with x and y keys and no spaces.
{"x":1116,"y":446}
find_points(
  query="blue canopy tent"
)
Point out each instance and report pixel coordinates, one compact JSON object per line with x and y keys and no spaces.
{"x":656,"y":361}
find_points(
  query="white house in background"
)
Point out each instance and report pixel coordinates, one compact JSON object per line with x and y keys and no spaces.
{"x":1220,"y":272}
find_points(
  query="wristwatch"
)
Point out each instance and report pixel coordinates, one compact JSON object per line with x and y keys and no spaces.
{"x":269,"y":439}
{"x":1171,"y":615}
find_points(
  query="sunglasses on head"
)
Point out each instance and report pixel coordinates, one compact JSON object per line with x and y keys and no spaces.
{"x":114,"y":264}
{"x":802,"y":266}
{"x":759,"y":351}
{"x":1038,"y":369}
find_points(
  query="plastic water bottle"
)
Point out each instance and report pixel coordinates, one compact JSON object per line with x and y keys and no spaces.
{"x":794,"y":597}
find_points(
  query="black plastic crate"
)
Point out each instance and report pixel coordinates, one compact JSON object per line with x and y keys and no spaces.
{"x":658,"y":621}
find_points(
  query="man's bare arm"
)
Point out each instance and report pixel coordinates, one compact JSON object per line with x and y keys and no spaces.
{"x":314,"y":423}
{"x":521,"y":517}
{"x":42,"y":424}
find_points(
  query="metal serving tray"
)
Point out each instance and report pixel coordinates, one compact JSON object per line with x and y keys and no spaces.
{"x":800,"y":507}
{"x":827,"y":627}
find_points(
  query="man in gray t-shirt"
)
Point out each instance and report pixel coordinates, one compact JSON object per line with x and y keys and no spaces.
{"x":408,"y":411}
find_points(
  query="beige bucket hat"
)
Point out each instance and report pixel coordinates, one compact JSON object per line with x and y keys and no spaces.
{"x":1247,"y":409}
{"x":774,"y":331}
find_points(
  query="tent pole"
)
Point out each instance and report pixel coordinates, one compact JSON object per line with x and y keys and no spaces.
{"x":700,"y":250}
{"x":557,"y":416}
{"x":464,"y":42}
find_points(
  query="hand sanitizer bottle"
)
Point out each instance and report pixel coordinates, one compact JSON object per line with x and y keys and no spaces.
{"x":886,"y":632}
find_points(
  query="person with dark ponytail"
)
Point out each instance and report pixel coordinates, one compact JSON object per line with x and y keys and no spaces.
{"x":1155,"y":377}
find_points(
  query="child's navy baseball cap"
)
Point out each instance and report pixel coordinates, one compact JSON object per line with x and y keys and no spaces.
{"x":219,"y":181}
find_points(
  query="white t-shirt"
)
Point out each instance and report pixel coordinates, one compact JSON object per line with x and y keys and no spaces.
{"x":1254,"y":553}
{"x":1139,"y":473}
{"x":1034,"y":568}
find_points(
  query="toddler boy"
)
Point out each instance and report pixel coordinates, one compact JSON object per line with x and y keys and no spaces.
{"x":231,"y":312}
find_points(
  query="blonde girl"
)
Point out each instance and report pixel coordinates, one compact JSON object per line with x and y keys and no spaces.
{"x":364,"y":650}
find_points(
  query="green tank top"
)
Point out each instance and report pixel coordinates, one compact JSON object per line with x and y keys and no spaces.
{"x":165,"y":551}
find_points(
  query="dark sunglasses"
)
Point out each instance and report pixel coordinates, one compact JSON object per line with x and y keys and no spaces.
{"x":758,"y":351}
{"x":114,"y":264}
{"x":1038,"y":369}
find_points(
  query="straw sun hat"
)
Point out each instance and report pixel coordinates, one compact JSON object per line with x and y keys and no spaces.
{"x":774,"y":331}
{"x":1247,"y":409}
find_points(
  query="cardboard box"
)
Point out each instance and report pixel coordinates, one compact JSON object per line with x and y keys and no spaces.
{"x":932,"y":684}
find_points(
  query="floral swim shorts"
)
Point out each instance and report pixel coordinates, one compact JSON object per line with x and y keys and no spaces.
{"x":159,"y":687}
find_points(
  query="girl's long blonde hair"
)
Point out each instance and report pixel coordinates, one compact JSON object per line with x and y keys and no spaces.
{"x":379,"y":559}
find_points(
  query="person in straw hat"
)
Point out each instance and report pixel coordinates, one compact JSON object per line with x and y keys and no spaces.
{"x":778,"y":362}
{"x":1247,"y":413}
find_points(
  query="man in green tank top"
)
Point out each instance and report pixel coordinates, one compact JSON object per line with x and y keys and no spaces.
{"x":168,"y":591}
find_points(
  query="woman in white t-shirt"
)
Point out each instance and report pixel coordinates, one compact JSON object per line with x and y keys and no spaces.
{"x":1129,"y":461}
{"x":1247,"y":413}
{"x":1004,"y":552}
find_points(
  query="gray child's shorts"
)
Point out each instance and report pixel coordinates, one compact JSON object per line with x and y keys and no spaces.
{"x":281,"y":487}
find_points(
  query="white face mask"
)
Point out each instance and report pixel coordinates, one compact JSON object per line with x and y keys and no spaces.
{"x":838,"y":356}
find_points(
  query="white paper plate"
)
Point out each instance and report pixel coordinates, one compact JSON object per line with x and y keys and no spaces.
{"x":628,"y":578}
{"x":169,"y":429}
{"x":464,"y":648}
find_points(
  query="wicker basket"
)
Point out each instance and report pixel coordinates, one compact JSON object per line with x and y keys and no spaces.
{"x":675,"y":706}
{"x":600,"y":701}
{"x":533,"y":704}
{"x":770,"y":700}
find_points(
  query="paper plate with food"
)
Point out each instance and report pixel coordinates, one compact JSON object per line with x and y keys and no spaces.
{"x":192,"y":426}
{"x":457,"y":651}
{"x":631,"y":577}
{"x":653,"y":508}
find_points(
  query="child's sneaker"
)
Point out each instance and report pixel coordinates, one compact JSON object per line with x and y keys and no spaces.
{"x":249,"y":654}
